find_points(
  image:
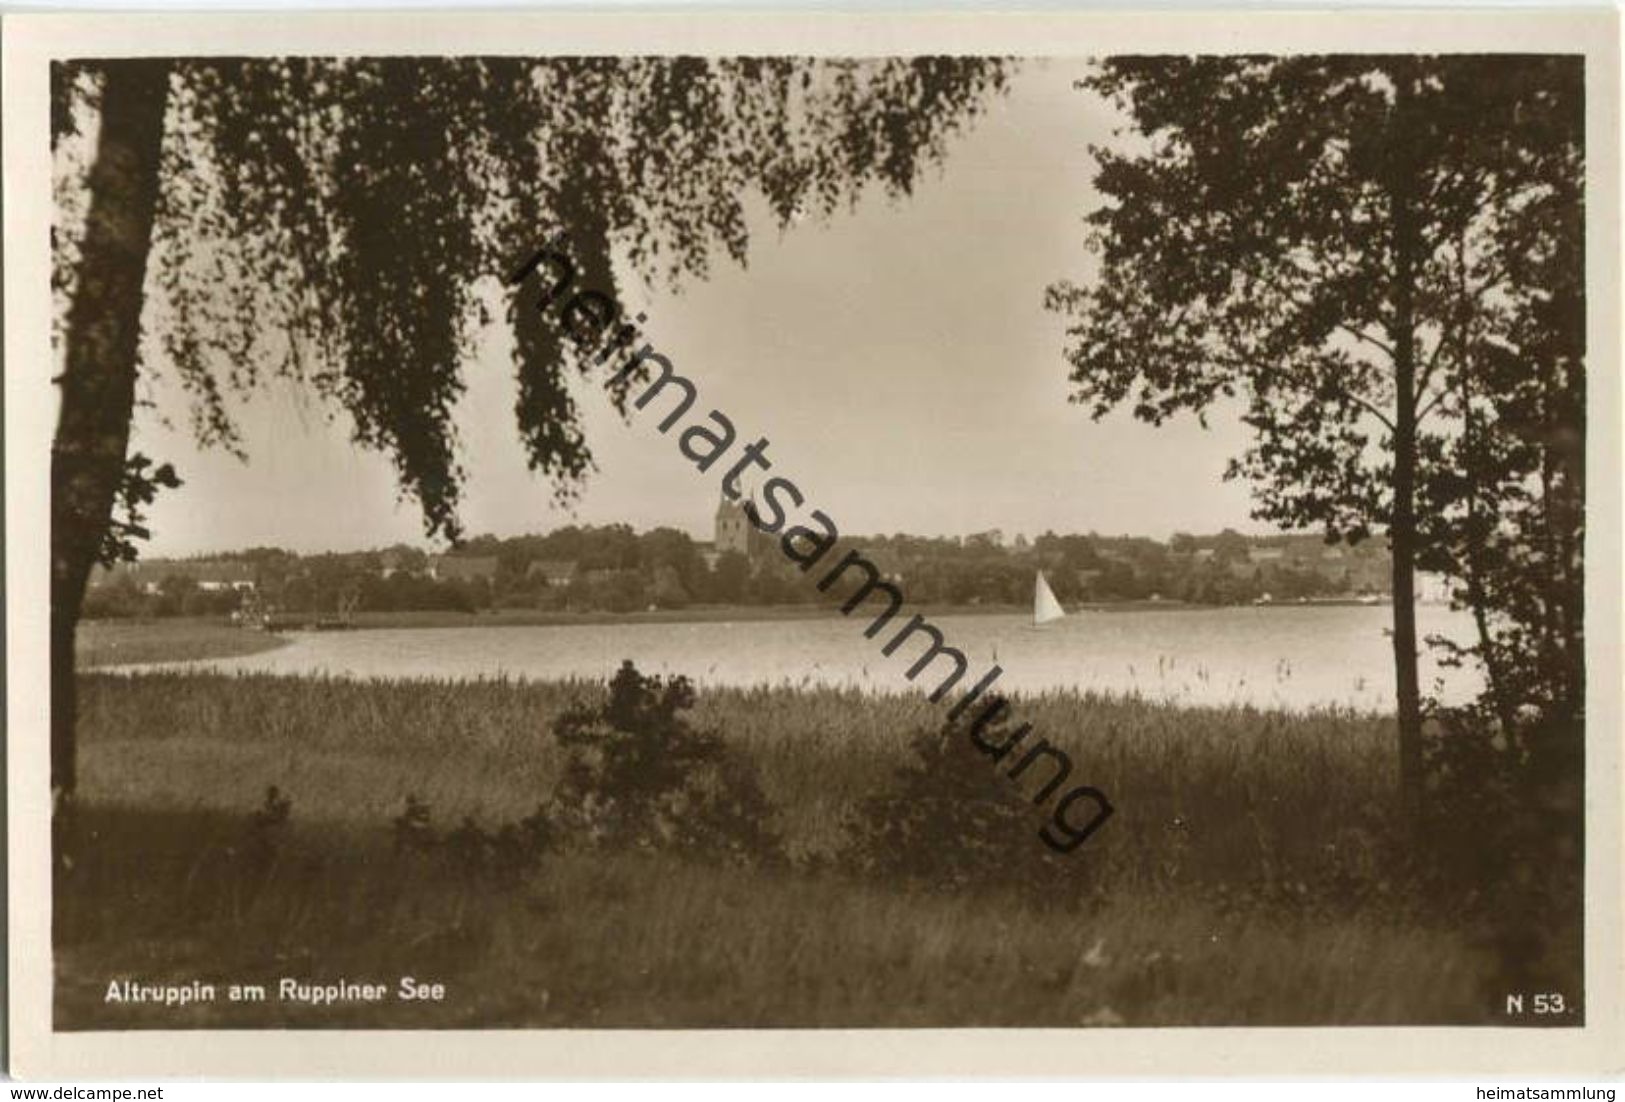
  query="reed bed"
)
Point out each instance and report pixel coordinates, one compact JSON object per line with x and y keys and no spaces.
{"x":1249,"y":876}
{"x":1229,"y":796}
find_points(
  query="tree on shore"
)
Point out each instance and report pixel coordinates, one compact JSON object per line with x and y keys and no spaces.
{"x":330,"y":222}
{"x":1377,"y":259}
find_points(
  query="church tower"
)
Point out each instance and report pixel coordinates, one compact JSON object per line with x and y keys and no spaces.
{"x":733,"y":528}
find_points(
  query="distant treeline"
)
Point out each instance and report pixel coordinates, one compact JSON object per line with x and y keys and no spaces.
{"x":613,"y":568}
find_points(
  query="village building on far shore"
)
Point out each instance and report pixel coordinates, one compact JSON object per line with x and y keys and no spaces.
{"x":149,"y":575}
{"x":554,"y":573}
{"x":463,"y":568}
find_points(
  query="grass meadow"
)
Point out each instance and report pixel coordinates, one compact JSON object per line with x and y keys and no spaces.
{"x":1250,"y":876}
{"x":131,"y":642}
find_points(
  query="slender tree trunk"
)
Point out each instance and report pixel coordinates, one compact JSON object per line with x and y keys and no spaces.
{"x":1402,"y":528}
{"x":1562,"y":513}
{"x":98,"y":380}
{"x":1473,"y":566}
{"x":1402,"y":538}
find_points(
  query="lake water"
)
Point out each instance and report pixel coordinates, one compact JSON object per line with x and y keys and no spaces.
{"x":1282,"y":657}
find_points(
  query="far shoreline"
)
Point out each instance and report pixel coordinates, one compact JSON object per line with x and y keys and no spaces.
{"x":711,"y":614}
{"x":696,"y":614}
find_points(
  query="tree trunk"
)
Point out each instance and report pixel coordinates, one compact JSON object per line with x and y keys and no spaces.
{"x":1402,"y":528}
{"x":1473,"y":567}
{"x":98,"y":380}
{"x":1407,"y":684}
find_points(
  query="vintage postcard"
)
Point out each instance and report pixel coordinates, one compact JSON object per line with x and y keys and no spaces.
{"x":790,"y":545}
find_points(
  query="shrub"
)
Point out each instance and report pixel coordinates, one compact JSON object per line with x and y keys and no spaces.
{"x":267,"y":827}
{"x":952,"y":821}
{"x":639,"y":776}
{"x":505,"y":855}
{"x":1498,"y":800}
{"x":262,"y":845}
{"x":412,"y":828}
{"x":1504,"y":831}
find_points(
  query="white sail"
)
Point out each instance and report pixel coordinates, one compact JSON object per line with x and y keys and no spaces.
{"x":1045,"y":607}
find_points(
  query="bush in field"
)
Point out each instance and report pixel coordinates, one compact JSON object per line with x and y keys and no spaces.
{"x":1504,"y":826}
{"x":267,"y":827}
{"x":638,"y":775}
{"x":505,"y":855}
{"x":1504,"y":812}
{"x":414,"y":828}
{"x":259,"y":853}
{"x":951,"y":820}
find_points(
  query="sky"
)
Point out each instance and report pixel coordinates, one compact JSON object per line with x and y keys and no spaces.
{"x":898,"y":358}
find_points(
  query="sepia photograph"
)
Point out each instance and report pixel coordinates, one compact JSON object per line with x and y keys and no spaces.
{"x":821,"y":538}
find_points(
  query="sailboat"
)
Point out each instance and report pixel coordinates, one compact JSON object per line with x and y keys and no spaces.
{"x":1045,"y":607}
